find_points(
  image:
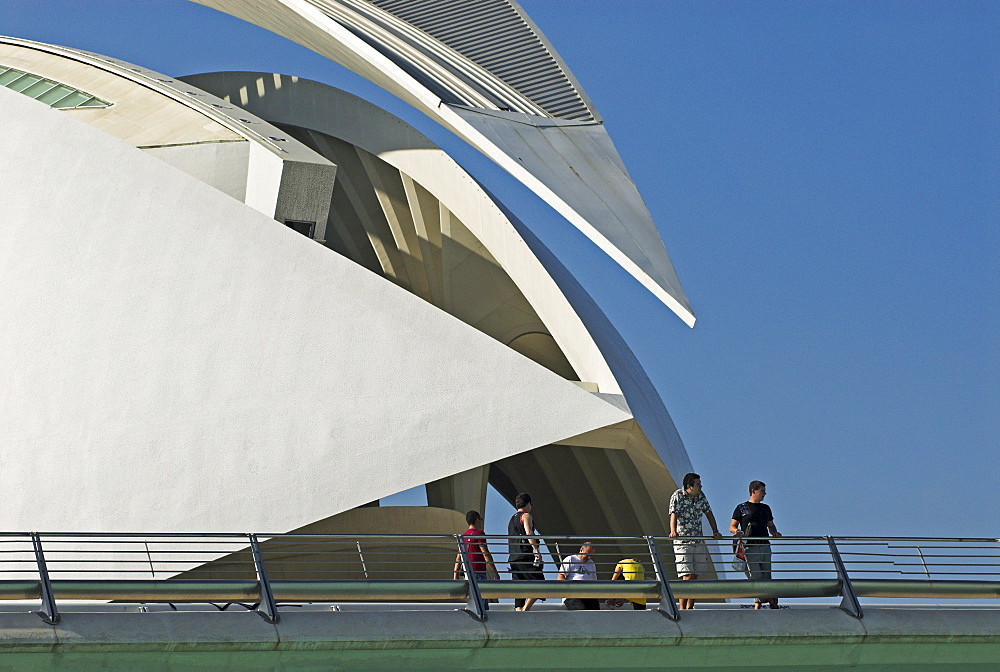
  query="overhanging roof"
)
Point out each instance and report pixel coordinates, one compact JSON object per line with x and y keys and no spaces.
{"x":484,"y":71}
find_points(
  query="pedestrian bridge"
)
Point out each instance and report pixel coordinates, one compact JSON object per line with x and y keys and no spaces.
{"x":375,"y":601}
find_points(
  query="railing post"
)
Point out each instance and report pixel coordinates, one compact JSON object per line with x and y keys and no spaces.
{"x":923,"y":562}
{"x":476,"y":606}
{"x":849,"y":601}
{"x":152,"y":571}
{"x":268,"y":610}
{"x":364,"y":565}
{"x":49,"y":612}
{"x":667,"y":605}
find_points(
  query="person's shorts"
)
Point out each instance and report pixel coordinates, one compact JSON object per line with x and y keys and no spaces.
{"x":691,"y":557}
{"x":526,"y":571}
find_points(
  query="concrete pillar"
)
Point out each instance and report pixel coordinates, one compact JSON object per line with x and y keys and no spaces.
{"x":463,"y":491}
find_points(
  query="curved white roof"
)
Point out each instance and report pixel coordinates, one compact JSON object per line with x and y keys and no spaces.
{"x":484,"y":71}
{"x":181,"y":342}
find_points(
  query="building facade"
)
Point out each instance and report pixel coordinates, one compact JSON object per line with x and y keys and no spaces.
{"x":259,"y":302}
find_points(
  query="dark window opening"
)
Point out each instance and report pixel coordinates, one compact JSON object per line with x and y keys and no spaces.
{"x":307,"y":229}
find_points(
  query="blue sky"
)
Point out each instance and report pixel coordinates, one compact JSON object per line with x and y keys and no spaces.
{"x":825,"y":177}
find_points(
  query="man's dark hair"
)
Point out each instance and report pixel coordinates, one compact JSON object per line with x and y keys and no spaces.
{"x":522,"y":500}
{"x":471,"y":517}
{"x":689,"y":480}
{"x":756,"y":485}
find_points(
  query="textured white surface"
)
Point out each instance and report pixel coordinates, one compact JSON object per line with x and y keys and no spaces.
{"x":174,"y":360}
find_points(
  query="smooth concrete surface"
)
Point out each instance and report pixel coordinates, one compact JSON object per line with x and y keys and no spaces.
{"x":814,"y":638}
{"x":186,"y":363}
{"x":164,"y":631}
{"x":511,"y":630}
{"x":747,"y":627}
{"x":961,"y":625}
{"x":25,"y":632}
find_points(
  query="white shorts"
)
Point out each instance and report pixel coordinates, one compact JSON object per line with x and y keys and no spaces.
{"x":691,"y":557}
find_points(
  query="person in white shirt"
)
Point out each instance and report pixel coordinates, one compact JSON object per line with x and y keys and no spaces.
{"x":580,"y":567}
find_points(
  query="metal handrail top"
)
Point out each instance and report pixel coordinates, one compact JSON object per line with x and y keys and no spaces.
{"x":576,"y":537}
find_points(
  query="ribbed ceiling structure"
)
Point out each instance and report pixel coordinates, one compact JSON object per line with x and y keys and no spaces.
{"x":486,"y":41}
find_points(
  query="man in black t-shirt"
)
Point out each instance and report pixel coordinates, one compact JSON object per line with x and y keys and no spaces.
{"x":525,"y":555}
{"x":753,"y":519}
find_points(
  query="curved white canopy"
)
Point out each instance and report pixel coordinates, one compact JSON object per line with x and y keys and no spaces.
{"x":507,"y":114}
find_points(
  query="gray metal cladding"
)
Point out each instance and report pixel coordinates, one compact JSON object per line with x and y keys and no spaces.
{"x":478,"y":53}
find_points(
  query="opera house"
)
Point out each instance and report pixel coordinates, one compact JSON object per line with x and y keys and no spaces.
{"x":249,"y":301}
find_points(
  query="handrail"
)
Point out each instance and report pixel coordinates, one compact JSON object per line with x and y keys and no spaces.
{"x":264,"y":570}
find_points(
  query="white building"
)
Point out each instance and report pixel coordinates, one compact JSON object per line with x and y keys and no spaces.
{"x":247,"y":301}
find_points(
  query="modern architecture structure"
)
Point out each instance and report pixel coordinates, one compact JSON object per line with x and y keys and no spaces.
{"x":246,"y":300}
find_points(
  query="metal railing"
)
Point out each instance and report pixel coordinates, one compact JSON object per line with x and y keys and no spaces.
{"x":263,"y":571}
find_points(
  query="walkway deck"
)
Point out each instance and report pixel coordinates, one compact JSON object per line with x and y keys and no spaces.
{"x":316,"y":637}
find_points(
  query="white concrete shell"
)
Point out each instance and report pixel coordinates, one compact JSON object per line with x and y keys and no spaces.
{"x":642,"y":459}
{"x":186,"y":363}
{"x":179,"y":361}
{"x":484,"y":71}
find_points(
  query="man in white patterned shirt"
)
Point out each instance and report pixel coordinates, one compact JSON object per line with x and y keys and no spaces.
{"x":580,"y":567}
{"x":687,"y":506}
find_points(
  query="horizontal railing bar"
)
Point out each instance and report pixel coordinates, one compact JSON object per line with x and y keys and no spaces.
{"x":407,"y":590}
{"x":170,"y":591}
{"x":743,"y":588}
{"x":191,"y":538}
{"x":559,"y":589}
{"x":926,"y":588}
{"x":98,"y":536}
{"x":156,"y":591}
{"x":20,"y":590}
{"x":115,"y":555}
{"x":992,"y":547}
{"x":947,"y":564}
{"x":369,"y":591}
{"x":924,"y":574}
{"x":910,"y":556}
{"x":840,"y":540}
{"x":198,"y":538}
{"x":921,"y":573}
{"x":165,"y":557}
{"x":911,"y":562}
